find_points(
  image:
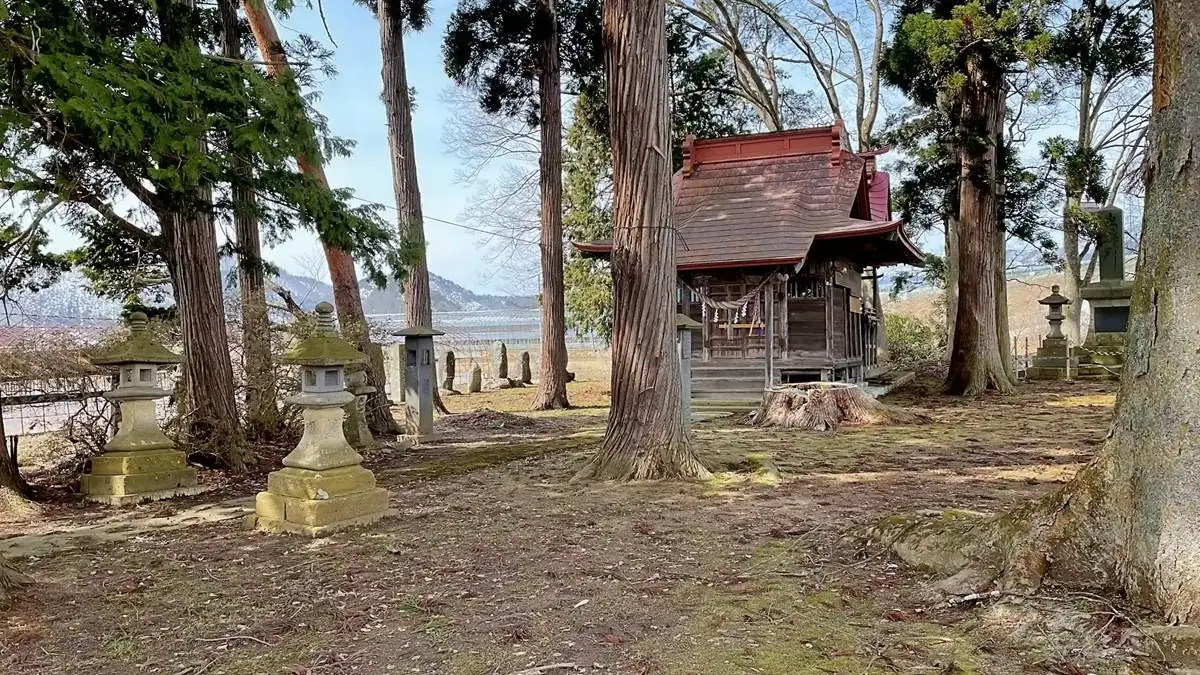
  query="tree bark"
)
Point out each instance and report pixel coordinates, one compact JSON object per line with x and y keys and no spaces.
{"x":952,"y":262}
{"x":645,"y":437}
{"x":552,"y":376}
{"x":10,"y":471}
{"x":211,"y":424}
{"x":1073,"y":263}
{"x":210,"y":417}
{"x":1128,"y":520}
{"x":418,"y":306}
{"x":258,"y":372}
{"x":347,"y":297}
{"x":975,"y":357}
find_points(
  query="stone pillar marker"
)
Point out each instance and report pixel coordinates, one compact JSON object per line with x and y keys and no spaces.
{"x":139,"y":463}
{"x":475,"y":384}
{"x":448,"y":372}
{"x":322,"y":488}
{"x":499,"y":360}
{"x":526,"y":370}
{"x":684,"y":325}
{"x":418,"y":360}
{"x":1052,"y":361}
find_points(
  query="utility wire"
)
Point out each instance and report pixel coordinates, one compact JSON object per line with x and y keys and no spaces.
{"x":452,"y":223}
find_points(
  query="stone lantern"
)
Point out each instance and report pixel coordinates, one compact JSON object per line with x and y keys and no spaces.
{"x":684,"y":325}
{"x":139,"y":463}
{"x":322,"y":488}
{"x":1054,"y":302}
{"x":1053,"y":359}
{"x":418,"y":378}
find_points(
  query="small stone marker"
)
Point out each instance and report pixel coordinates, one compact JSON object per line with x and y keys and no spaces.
{"x":418,"y":376}
{"x":475,"y":385}
{"x":448,"y":372}
{"x":139,"y":463}
{"x":526,"y":371}
{"x":322,"y":488}
{"x":499,"y":360}
{"x":355,"y":425}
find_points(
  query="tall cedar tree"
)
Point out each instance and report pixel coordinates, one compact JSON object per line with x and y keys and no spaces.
{"x":646,"y":437}
{"x":343,"y":276}
{"x":704,"y":103}
{"x":1130,"y":519}
{"x":397,"y":104}
{"x":508,"y":50}
{"x":113,"y":100}
{"x":263,"y":420}
{"x":1100,"y":48}
{"x":960,"y":53}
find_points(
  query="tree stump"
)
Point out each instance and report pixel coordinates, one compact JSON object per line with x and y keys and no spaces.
{"x":824,"y":406}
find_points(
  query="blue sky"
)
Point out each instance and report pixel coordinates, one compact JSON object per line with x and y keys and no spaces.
{"x":352,"y":103}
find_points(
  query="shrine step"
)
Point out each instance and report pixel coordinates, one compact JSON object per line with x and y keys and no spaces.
{"x":728,"y":383}
{"x":740,"y":394}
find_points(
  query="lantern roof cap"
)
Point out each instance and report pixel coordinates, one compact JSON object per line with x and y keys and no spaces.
{"x":139,"y":346}
{"x":417,"y":331}
{"x":323,"y":347}
{"x":1055,"y":298}
{"x":685,"y":321}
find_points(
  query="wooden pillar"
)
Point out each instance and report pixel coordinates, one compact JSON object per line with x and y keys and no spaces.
{"x":769,"y":294}
{"x":787,"y":330}
{"x":684,"y":325}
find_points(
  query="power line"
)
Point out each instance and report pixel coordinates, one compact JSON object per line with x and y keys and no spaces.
{"x":452,"y":223}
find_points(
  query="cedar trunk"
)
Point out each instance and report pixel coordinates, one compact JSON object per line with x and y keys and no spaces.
{"x":210,"y":414}
{"x":552,"y":376}
{"x":210,"y":417}
{"x":952,"y":252}
{"x":646,"y":436}
{"x":397,"y":104}
{"x":347,"y":297}
{"x":258,"y":372}
{"x":975,"y":357}
{"x":1129,"y":520}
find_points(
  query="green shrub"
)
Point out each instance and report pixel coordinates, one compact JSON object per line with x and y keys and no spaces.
{"x":913,"y":340}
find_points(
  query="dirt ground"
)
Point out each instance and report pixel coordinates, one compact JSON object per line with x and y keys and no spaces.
{"x":496,"y":564}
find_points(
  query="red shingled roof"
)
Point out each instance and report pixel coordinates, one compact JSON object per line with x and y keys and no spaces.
{"x":765,"y":198}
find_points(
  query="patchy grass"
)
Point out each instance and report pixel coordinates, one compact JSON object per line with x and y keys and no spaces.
{"x":498,"y":563}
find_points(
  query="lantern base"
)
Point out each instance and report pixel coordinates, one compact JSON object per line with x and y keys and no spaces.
{"x":123,"y":478}
{"x":318,"y":503}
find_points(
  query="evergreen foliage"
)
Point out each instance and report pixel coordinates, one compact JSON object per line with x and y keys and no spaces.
{"x":104,"y":115}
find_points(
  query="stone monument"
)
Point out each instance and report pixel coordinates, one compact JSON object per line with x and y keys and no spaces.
{"x":418,"y":376}
{"x":139,"y":463}
{"x":358,"y":433}
{"x":499,"y":360}
{"x":322,"y":488}
{"x":526,"y":370}
{"x":1102,"y":354}
{"x":684,"y":325}
{"x":448,"y":373}
{"x":1053,"y":360}
{"x":475,"y":384}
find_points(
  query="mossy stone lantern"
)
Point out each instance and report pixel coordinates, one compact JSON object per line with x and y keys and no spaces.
{"x":139,"y":463}
{"x":323,"y":487}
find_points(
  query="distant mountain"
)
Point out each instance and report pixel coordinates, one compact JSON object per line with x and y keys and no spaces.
{"x":70,"y":302}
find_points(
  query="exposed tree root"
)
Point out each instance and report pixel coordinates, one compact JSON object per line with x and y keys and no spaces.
{"x":11,"y":582}
{"x":824,"y":406}
{"x":1066,"y":537}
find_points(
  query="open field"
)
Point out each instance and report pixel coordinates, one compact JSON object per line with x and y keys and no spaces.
{"x":496,"y":563}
